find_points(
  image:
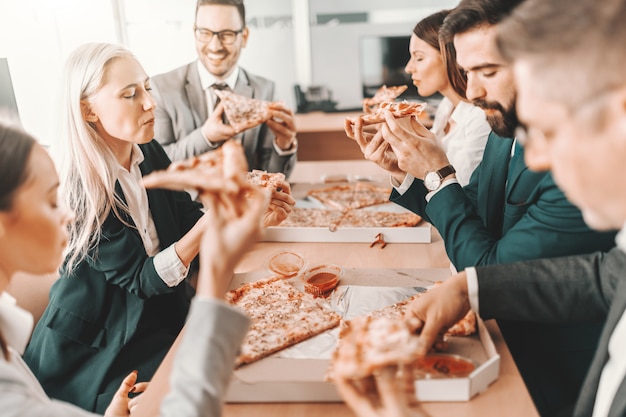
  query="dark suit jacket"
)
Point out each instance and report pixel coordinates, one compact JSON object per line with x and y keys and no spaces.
{"x":492,"y":221}
{"x":114,"y":313}
{"x":580,"y":289}
{"x":182,"y":110}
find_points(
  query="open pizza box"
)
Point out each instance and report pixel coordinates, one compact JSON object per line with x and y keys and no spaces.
{"x":298,"y":374}
{"x":417,"y":234}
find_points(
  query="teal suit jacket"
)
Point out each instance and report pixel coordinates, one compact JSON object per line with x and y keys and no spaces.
{"x":495,"y":221}
{"x":114,"y":314}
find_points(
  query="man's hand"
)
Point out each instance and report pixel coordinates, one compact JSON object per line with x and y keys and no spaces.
{"x":214,"y":128}
{"x":374,"y":147}
{"x":416,"y":148}
{"x":281,"y":204}
{"x":434,"y":312}
{"x":283,"y":125}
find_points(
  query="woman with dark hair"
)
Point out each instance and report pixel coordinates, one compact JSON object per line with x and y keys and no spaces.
{"x":33,"y":239}
{"x":459,"y":126}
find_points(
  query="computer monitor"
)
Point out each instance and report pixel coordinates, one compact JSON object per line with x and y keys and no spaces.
{"x":8,"y":105}
{"x":383,"y":59}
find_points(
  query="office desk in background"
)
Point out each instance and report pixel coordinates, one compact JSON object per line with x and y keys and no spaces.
{"x":321,"y":136}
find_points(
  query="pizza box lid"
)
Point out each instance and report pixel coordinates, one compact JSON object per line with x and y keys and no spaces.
{"x":295,"y":379}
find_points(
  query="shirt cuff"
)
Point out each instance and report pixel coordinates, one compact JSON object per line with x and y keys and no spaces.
{"x":472,"y":288}
{"x":443,"y":185}
{"x":290,"y":151}
{"x":169,"y":267}
{"x":406,"y":184}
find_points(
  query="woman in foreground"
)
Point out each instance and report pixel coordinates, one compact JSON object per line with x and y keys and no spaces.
{"x":33,"y":237}
{"x":123,"y":291}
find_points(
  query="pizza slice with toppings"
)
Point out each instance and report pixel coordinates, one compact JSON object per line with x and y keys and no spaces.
{"x":367,"y":344}
{"x":269,"y":180}
{"x":383,"y":94}
{"x":243,"y":112}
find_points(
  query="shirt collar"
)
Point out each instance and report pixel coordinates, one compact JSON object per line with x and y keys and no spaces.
{"x":620,"y":239}
{"x":15,"y":322}
{"x":136,"y":158}
{"x":207,"y":79}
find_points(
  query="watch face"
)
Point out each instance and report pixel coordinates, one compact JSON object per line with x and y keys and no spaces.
{"x":432,"y":181}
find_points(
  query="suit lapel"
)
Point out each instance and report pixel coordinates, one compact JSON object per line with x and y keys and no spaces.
{"x":515,"y":171}
{"x":196,"y":95}
{"x":493,"y":174}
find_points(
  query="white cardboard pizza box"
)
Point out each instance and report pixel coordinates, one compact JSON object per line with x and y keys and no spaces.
{"x":284,"y":379}
{"x":418,"y":234}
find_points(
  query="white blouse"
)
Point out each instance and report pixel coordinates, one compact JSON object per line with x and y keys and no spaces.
{"x":466,"y":139}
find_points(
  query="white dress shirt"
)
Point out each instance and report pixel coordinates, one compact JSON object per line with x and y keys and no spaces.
{"x":166,"y":262}
{"x":466,"y":138}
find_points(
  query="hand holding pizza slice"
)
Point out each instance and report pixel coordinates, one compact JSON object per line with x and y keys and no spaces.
{"x":243,"y":113}
{"x":216,"y":175}
{"x":383,"y":94}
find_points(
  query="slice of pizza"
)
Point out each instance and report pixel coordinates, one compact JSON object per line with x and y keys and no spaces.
{"x":383,"y":94}
{"x":464,"y":327}
{"x":281,"y":317}
{"x":351,"y":196}
{"x":207,"y":172}
{"x":243,"y":112}
{"x":367,"y":344}
{"x":369,"y":121}
{"x":269,"y":180}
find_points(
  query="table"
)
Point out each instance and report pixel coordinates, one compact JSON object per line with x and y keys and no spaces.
{"x":507,"y":396}
{"x":321,"y":136}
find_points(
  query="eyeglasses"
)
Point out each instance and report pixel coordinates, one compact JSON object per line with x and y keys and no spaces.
{"x":226,"y":37}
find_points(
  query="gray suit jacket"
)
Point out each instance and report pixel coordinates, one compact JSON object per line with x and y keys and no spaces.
{"x":202,"y":369}
{"x":587,"y":288}
{"x":182,"y":110}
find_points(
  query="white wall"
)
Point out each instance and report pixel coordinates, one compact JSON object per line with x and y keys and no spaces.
{"x":37,"y":35}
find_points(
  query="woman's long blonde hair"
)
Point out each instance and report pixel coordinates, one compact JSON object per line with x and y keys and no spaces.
{"x":87,"y":183}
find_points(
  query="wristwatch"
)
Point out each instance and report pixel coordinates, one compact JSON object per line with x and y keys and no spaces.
{"x":433,"y":179}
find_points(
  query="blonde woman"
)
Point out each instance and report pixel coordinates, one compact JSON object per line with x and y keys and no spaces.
{"x":33,"y":236}
{"x":123,"y":294}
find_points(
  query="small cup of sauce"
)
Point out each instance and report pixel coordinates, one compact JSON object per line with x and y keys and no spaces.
{"x":321,"y":280}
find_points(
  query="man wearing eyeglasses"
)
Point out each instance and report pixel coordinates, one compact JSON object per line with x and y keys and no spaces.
{"x":189,"y":119}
